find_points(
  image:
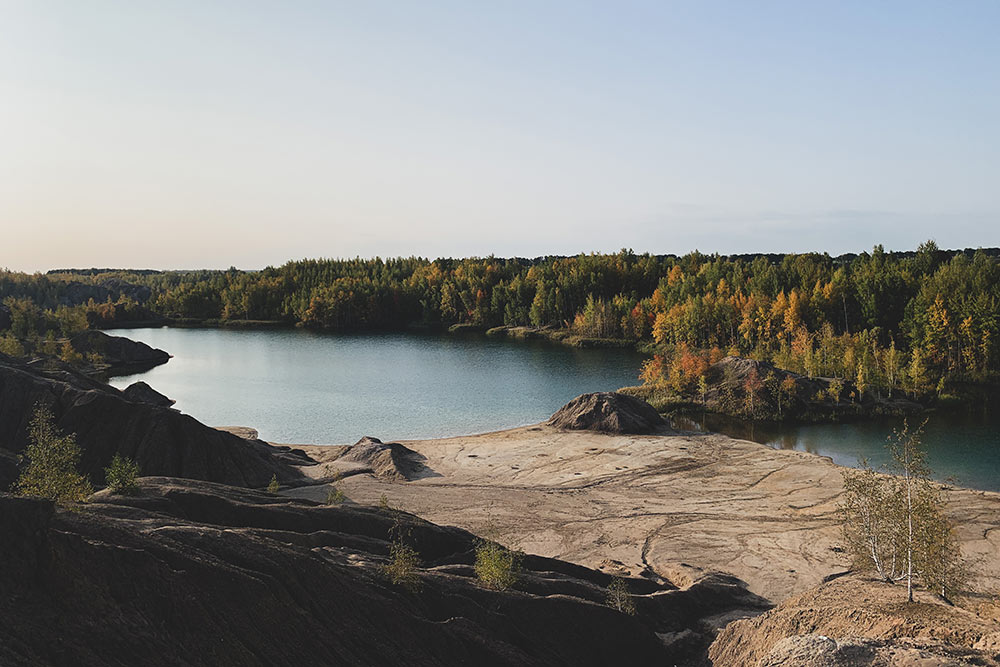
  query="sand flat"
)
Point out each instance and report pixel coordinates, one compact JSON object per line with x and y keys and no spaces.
{"x":664,"y":502}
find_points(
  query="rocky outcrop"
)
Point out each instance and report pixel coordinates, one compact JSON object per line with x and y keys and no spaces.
{"x":140,"y":392}
{"x":747,"y":388}
{"x":856,"y":621}
{"x":122,"y":355}
{"x":608,"y":412}
{"x":161,"y":440}
{"x":196,"y":573}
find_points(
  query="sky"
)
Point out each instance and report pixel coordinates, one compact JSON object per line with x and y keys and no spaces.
{"x":193,"y":134}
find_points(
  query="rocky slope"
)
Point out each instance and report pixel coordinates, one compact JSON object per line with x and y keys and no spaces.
{"x":161,"y":440}
{"x":196,"y":573}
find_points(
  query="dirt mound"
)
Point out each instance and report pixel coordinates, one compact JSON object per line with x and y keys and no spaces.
{"x":390,"y":461}
{"x":856,"y":608}
{"x":608,"y":412}
{"x":821,"y":651}
{"x":195,"y":573}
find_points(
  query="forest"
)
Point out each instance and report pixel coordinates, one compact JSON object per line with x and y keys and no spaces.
{"x":909,"y":321}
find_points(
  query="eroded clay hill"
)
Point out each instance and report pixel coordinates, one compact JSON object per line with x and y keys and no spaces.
{"x":161,"y":440}
{"x":197,"y":573}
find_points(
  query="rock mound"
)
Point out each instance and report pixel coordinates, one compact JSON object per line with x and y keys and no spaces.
{"x":140,"y":392}
{"x":161,"y":440}
{"x":122,"y":355}
{"x":196,"y":573}
{"x":390,"y":461}
{"x":853,"y":616}
{"x":608,"y":412}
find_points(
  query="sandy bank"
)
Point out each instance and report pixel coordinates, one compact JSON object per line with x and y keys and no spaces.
{"x":636,"y":502}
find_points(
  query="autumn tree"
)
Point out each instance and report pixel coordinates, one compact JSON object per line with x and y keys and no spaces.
{"x":751,"y":387}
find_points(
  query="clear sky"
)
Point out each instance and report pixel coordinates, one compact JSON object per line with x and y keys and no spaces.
{"x":196,"y":133}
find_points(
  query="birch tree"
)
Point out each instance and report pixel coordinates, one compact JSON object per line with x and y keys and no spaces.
{"x":895,"y":523}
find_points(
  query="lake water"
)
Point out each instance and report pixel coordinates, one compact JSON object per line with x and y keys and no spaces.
{"x":298,"y":386}
{"x":961,"y":446}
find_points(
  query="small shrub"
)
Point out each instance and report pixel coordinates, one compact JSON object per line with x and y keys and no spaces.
{"x":11,"y":346}
{"x":497,"y":566}
{"x":121,"y":475}
{"x":273,"y":486}
{"x":383,"y":503}
{"x":70,"y":355}
{"x":52,"y":459}
{"x":401,"y":569}
{"x":334,"y":496}
{"x":619,"y":598}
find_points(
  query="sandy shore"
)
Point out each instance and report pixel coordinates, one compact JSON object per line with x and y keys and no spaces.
{"x":663,"y":503}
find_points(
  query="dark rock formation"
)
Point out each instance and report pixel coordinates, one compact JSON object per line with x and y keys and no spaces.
{"x":140,"y":392}
{"x":390,"y":461}
{"x":161,"y":440}
{"x":122,"y":355}
{"x":608,"y":412}
{"x":196,"y":573}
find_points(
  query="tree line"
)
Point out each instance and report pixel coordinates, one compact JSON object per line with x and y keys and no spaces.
{"x":883,"y":320}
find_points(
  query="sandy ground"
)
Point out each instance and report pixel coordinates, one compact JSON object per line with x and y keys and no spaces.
{"x":666,"y":503}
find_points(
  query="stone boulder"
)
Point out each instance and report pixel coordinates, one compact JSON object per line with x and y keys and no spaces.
{"x":608,"y":412}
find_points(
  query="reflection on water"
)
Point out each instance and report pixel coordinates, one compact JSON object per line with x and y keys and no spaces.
{"x":962,"y":446}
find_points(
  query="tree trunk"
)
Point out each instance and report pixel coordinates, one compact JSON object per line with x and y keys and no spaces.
{"x":909,"y":539}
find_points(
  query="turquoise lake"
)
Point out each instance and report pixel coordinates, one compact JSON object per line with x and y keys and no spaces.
{"x":298,"y":386}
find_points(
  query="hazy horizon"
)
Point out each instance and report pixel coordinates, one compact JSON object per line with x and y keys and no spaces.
{"x":461,"y":257}
{"x":196,"y":135}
